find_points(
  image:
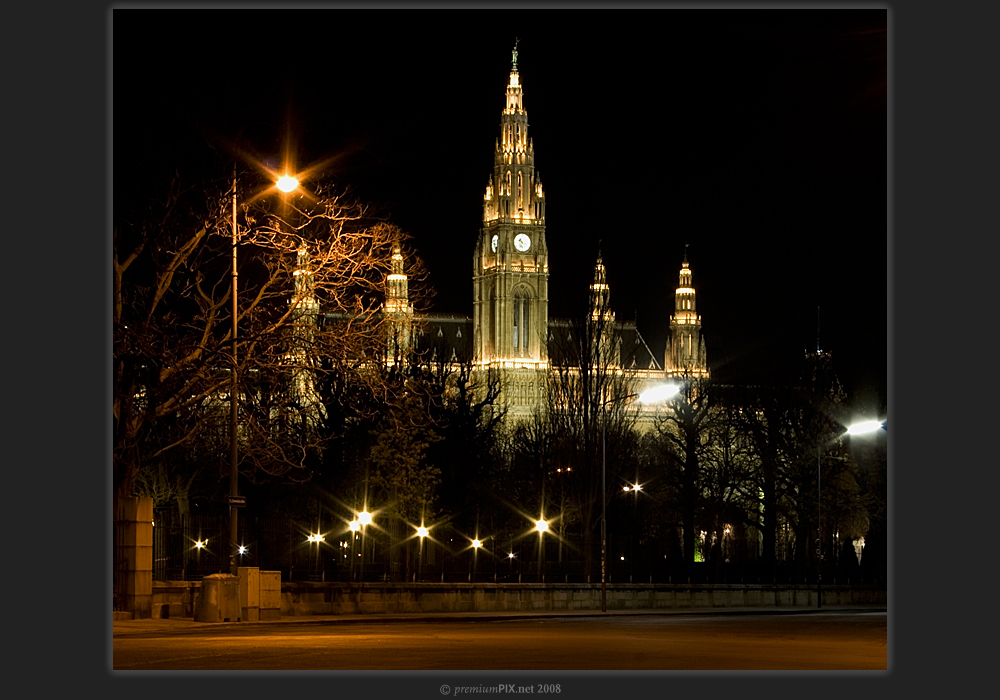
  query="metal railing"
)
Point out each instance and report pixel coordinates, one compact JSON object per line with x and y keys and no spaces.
{"x":282,"y":545}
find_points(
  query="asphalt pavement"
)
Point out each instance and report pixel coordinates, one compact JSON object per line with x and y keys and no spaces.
{"x":188,"y":624}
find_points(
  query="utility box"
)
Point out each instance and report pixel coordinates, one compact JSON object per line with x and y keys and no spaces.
{"x":270,"y":595}
{"x":249,"y":592}
{"x":219,"y":599}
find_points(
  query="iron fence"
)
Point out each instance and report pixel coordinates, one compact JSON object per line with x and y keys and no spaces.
{"x":193,"y":546}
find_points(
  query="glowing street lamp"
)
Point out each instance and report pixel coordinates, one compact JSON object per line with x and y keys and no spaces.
{"x":659,"y":393}
{"x":287,"y":183}
{"x":651,"y":395}
{"x":864,"y":427}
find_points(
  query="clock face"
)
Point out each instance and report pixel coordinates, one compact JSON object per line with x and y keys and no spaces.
{"x":494,"y":243}
{"x":522,"y":242}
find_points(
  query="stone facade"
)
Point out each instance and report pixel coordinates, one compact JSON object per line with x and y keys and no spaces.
{"x":510,"y":332}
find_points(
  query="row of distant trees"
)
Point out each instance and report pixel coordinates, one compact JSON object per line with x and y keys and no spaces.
{"x":727,"y":472}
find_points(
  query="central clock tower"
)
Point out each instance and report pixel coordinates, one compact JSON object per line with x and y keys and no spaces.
{"x":511,"y":262}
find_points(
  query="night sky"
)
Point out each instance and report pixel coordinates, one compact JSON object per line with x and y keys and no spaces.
{"x":756,"y":137}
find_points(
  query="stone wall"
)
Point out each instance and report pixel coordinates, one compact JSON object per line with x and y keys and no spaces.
{"x":176,"y":598}
{"x":134,"y":524}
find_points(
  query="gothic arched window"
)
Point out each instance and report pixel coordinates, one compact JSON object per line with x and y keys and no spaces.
{"x":522,"y":320}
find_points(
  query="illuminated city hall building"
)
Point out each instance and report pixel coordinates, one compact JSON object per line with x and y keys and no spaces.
{"x":510,"y":331}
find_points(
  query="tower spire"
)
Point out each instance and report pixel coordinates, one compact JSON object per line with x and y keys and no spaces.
{"x":685,"y":353}
{"x":510,"y":265}
{"x":817,"y":329}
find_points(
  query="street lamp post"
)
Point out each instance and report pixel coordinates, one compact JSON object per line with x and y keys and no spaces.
{"x":364,"y":518}
{"x":657,"y":393}
{"x":635,"y":489}
{"x":542,"y":526}
{"x":422,"y":533}
{"x":233,"y":392}
{"x":819,"y":528}
{"x":476,"y":544}
{"x":354,"y":526}
{"x":285,"y":184}
{"x":854,"y":429}
{"x":604,"y":512}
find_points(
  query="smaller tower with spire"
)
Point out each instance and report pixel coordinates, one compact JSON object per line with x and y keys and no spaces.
{"x":398,"y":309}
{"x":606,"y":344}
{"x":685,"y":355}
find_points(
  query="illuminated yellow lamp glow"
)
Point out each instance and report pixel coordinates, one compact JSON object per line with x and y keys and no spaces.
{"x":364,"y":517}
{"x":510,"y":555}
{"x":625,"y":488}
{"x":354,"y":525}
{"x":623,"y":558}
{"x":658,"y":393}
{"x":541,"y":525}
{"x":287,"y":183}
{"x":422,"y":531}
{"x":243,"y":549}
{"x":685,"y":290}
{"x":477,"y":544}
{"x":868,"y":426}
{"x":397,"y":277}
{"x":638,"y":487}
{"x":199,"y":544}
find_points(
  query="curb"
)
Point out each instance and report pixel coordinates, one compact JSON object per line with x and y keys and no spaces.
{"x":173,"y":625}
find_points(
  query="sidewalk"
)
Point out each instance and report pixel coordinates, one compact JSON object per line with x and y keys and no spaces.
{"x":188,"y":624}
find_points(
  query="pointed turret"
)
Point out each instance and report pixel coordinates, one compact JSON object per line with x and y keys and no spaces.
{"x":398,"y":310}
{"x":685,"y":354}
{"x":600,"y":292}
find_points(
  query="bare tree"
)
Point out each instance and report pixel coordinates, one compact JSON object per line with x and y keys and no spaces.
{"x":312,"y":269}
{"x":589,"y":425}
{"x":683,"y":446}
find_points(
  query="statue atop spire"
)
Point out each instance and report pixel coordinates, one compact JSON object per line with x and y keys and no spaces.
{"x":513,"y":66}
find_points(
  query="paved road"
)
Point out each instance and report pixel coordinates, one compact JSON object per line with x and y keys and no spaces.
{"x":808,"y":641}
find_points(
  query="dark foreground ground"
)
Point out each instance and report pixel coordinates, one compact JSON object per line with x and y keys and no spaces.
{"x":805,"y":639}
